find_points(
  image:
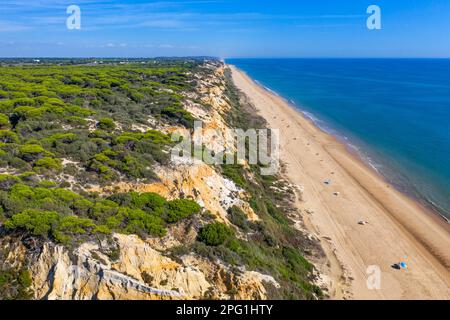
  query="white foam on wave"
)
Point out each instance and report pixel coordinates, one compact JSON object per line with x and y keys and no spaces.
{"x":346,"y":140}
{"x":322,"y":125}
{"x":363,"y":156}
{"x":267,"y":88}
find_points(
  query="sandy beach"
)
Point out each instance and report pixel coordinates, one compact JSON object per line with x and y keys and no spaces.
{"x":397,"y":229}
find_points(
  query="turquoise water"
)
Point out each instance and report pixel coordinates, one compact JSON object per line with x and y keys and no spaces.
{"x":394,"y":112}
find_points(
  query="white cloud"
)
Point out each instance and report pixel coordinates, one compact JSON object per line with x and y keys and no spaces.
{"x":166,"y":46}
{"x":162,"y":23}
{"x":12,"y":27}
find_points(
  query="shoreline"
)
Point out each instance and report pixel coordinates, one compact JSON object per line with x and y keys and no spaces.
{"x":354,"y":151}
{"x":428,"y":206}
{"x":424,"y":204}
{"x":402,"y":228}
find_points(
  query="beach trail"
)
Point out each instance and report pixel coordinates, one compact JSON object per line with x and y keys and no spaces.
{"x":363,"y":223}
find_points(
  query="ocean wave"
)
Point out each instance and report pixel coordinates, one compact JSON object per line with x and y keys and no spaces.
{"x":267,"y":88}
{"x":322,"y":125}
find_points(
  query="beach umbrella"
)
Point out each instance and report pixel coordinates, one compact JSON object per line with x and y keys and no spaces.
{"x":403,"y":265}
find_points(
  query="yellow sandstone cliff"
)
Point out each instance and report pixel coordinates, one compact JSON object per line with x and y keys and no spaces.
{"x":140,"y":269}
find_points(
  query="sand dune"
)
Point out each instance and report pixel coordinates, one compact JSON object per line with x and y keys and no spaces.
{"x":398,"y":228}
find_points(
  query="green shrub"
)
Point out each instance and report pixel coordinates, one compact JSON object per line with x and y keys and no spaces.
{"x":66,"y":196}
{"x":149,"y":201}
{"x":15,"y":284}
{"x":296,"y":261}
{"x":235,"y":173}
{"x":74,"y":224}
{"x":140,"y":222}
{"x":23,"y":102}
{"x":106,"y":124}
{"x":136,"y":221}
{"x":179,"y":115}
{"x":276,"y":213}
{"x":82,"y":206}
{"x":238,"y":218}
{"x":39,"y":223}
{"x":27,"y":113}
{"x":71,"y":226}
{"x":49,"y":163}
{"x":103,"y":209}
{"x":7,"y":136}
{"x":60,"y":137}
{"x":76,"y":121}
{"x":25,"y":278}
{"x":180,"y":209}
{"x":215,"y":234}
{"x":31,"y":151}
{"x":7,"y":181}
{"x":4,"y":121}
{"x":47,"y":184}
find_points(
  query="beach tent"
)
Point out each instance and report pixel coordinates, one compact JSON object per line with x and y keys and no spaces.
{"x":403,"y":265}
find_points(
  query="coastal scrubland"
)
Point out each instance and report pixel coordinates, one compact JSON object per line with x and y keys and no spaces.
{"x":69,"y":130}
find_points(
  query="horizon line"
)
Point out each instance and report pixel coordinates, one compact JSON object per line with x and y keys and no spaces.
{"x":215,"y":57}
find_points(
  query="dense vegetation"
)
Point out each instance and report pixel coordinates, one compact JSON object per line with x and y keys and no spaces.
{"x":69,"y":218}
{"x":49,"y":113}
{"x":63,"y":126}
{"x":215,"y":234}
{"x":68,"y":125}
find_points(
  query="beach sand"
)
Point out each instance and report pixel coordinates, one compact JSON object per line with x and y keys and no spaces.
{"x":398,"y":228}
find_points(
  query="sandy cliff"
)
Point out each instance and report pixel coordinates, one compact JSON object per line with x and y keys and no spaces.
{"x":138,"y":272}
{"x":133,"y":268}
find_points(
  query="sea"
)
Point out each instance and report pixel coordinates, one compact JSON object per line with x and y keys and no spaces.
{"x":394,"y":113}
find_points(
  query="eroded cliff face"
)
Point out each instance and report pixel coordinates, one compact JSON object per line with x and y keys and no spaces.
{"x":133,"y":268}
{"x":138,"y":271}
{"x":129,"y":267}
{"x":193,"y":178}
{"x":196,"y":181}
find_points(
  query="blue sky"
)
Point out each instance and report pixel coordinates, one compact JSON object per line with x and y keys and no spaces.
{"x":225,"y":28}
